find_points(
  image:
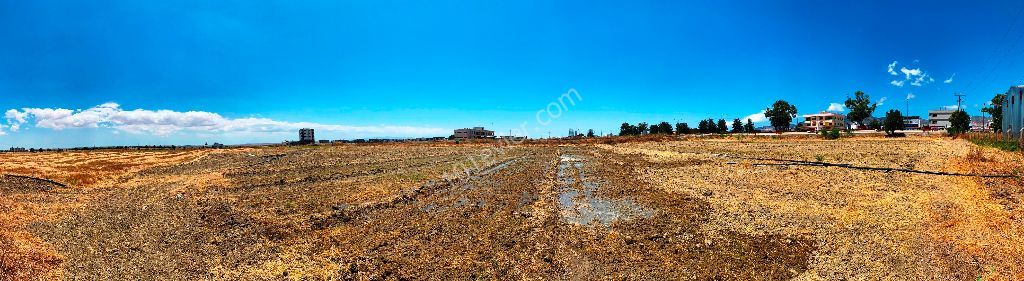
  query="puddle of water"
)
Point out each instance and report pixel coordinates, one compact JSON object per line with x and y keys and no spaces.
{"x":580,"y":206}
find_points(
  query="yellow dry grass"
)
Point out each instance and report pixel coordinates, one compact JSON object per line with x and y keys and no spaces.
{"x":24,"y":201}
{"x":871,"y":225}
{"x":257,"y":213}
{"x":86,"y":169}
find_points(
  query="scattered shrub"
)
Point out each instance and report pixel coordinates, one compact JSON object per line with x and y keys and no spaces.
{"x":830,"y":134}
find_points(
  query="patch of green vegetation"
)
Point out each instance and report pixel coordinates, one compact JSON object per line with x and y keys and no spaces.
{"x":1007,"y":145}
{"x":830,"y":134}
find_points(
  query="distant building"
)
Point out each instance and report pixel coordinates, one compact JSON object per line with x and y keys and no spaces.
{"x":939,"y":119}
{"x":514,"y":138}
{"x":824,"y":121}
{"x":325,"y":141}
{"x":1013,"y":111}
{"x":912,"y":122}
{"x":980,"y":123}
{"x":474,"y":133}
{"x":18,"y":149}
{"x":306,"y":136}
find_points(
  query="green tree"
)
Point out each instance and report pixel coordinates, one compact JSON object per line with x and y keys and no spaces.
{"x":590,"y":133}
{"x":722,"y":126}
{"x":996,"y":110}
{"x":959,"y":123}
{"x":702,"y":127}
{"x":737,"y":126}
{"x":625,"y":129}
{"x":665,"y":128}
{"x":860,"y":107}
{"x":749,"y":127}
{"x":875,"y":125}
{"x":781,"y":115}
{"x":682,"y":128}
{"x":893,"y":122}
{"x":642,"y":128}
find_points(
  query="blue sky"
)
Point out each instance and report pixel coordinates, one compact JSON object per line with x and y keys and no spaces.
{"x":186,"y":72}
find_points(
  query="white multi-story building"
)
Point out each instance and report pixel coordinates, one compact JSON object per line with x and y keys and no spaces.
{"x":474,"y":133}
{"x":1013,"y":111}
{"x":824,"y":121}
{"x":939,"y":119}
{"x":912,"y":122}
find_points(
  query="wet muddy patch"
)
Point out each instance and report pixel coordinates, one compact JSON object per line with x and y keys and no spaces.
{"x":577,"y":200}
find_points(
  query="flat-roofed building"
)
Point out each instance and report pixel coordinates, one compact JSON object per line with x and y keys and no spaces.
{"x":473,"y":133}
{"x":939,"y":119}
{"x":824,"y":121}
{"x":306,"y":136}
{"x":912,"y":122}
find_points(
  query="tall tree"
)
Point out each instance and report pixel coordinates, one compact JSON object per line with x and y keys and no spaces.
{"x":703,"y":127}
{"x":959,"y":123}
{"x":665,"y":128}
{"x":781,"y":115}
{"x":682,"y":128}
{"x":893,"y":122}
{"x":722,"y":126}
{"x":860,"y":107}
{"x":641,"y":128}
{"x":749,"y":127}
{"x":996,"y":110}
{"x":737,"y":126}
{"x":625,"y":129}
{"x":653,"y":129}
{"x":590,"y":133}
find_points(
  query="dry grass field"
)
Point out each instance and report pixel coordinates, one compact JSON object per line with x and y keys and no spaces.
{"x":697,"y":209}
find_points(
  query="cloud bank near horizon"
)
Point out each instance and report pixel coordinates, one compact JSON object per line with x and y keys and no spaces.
{"x":167,"y":122}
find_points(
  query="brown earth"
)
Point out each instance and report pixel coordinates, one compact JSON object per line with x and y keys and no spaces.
{"x":615,"y":209}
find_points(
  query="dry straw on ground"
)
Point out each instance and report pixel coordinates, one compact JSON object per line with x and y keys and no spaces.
{"x":663,"y":208}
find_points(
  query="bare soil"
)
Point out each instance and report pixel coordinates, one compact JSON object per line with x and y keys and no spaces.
{"x":694,"y":209}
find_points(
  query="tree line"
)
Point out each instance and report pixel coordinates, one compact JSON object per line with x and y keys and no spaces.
{"x":781,"y":114}
{"x":707,"y":126}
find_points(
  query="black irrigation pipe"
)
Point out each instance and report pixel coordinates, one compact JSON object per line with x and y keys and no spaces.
{"x":38,"y":179}
{"x":850,"y":166}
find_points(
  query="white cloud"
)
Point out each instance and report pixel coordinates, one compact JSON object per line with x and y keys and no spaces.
{"x":166,"y":122}
{"x":14,"y":116}
{"x":916,"y":76}
{"x":757,"y":117}
{"x":881,"y":101}
{"x":2,"y":130}
{"x":950,"y":80}
{"x":950,"y":107}
{"x":911,"y":96}
{"x":910,"y":72}
{"x":836,"y":107}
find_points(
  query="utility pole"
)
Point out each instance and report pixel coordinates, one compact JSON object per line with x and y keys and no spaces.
{"x":959,"y":97}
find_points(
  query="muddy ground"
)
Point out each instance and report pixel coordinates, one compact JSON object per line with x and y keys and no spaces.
{"x":696,"y":210}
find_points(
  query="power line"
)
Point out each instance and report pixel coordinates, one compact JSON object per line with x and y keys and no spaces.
{"x":988,"y":60}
